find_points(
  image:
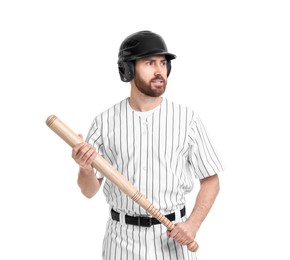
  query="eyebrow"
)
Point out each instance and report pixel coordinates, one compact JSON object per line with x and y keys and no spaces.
{"x":152,"y":59}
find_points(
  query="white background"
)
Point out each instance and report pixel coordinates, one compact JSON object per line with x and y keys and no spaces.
{"x":232,"y":67}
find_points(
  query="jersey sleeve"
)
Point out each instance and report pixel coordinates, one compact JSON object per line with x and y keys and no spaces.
{"x":95,"y":138}
{"x":203,"y":157}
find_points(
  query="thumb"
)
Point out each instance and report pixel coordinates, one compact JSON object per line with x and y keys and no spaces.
{"x":81,"y":136}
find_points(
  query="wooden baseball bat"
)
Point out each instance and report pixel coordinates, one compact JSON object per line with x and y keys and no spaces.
{"x":113,"y":175}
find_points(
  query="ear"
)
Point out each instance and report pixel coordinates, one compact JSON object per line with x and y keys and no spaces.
{"x":126,"y":71}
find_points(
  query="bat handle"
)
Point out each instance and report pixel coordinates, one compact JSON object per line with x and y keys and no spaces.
{"x":192,"y":246}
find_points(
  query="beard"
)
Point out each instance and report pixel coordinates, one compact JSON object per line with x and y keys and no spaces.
{"x":146,"y":88}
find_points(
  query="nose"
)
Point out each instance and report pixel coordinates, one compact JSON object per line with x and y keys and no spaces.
{"x":158,"y":69}
{"x":157,"y":73}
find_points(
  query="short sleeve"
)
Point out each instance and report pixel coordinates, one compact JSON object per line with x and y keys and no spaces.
{"x":94,"y":138}
{"x":202,"y":155}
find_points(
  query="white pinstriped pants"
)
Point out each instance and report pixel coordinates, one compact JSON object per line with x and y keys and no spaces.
{"x":128,"y":242}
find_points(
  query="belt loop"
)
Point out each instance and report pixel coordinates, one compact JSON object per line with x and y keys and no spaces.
{"x":122,"y":218}
{"x":177,"y":215}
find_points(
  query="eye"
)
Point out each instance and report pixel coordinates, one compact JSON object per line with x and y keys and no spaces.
{"x":164,"y":63}
{"x":149,"y":62}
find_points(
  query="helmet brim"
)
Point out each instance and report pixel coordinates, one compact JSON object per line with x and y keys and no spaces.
{"x":169,"y":56}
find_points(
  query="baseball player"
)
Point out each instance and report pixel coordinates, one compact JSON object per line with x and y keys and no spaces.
{"x":159,"y":146}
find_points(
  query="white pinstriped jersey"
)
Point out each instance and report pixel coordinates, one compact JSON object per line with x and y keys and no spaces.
{"x":159,"y":151}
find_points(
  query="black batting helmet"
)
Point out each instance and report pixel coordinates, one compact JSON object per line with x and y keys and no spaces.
{"x":140,"y":45}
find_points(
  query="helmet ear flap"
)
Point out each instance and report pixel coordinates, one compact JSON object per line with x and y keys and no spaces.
{"x":126,"y":71}
{"x":168,"y":64}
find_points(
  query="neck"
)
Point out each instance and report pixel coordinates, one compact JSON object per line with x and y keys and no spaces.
{"x":140,"y":102}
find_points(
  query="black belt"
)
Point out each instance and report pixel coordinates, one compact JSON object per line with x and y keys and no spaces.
{"x":144,"y":221}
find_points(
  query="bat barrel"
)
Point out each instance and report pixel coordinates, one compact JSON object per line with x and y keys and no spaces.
{"x":49,"y":121}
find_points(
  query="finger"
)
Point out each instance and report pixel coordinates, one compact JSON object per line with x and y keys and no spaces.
{"x":86,"y":161}
{"x":76,"y":149}
{"x":179,"y":236}
{"x":91,"y":155}
{"x":174,"y":232}
{"x":176,"y":236}
{"x":80,"y":154}
{"x":81,"y":136}
{"x":84,"y":152}
{"x":184,"y":240}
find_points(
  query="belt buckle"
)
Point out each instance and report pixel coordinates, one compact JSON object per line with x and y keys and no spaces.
{"x":144,"y":221}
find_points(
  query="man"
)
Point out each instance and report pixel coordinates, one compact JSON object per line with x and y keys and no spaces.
{"x":159,"y":146}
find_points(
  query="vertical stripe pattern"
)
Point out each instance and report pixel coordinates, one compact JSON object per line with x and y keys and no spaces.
{"x":141,"y":243}
{"x":159,"y":151}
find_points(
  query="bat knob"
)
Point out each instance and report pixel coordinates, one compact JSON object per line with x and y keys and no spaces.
{"x":193,"y":246}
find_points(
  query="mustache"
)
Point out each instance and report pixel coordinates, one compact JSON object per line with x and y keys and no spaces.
{"x":159,"y":77}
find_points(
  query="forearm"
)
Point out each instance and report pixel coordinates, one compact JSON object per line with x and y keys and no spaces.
{"x":88,"y":182}
{"x":209,"y":189}
{"x":185,"y":232}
